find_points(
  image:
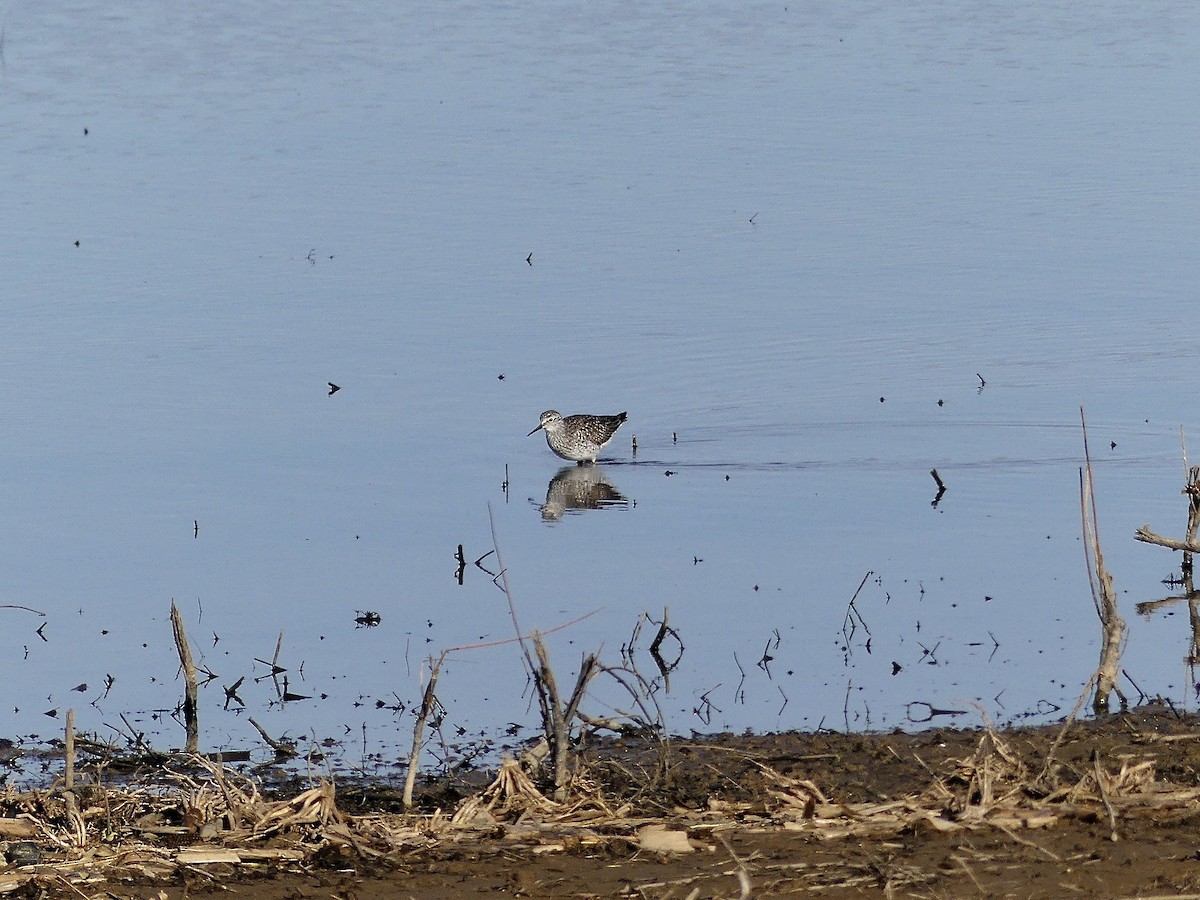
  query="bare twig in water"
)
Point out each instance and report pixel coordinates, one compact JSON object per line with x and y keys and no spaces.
{"x":276,"y":668}
{"x":479,"y":565}
{"x":231,"y":693}
{"x":591,"y":664}
{"x":1188,"y":545}
{"x":630,"y":646}
{"x":191,"y":716}
{"x":1103,"y":594}
{"x":853,"y":618}
{"x":704,"y":711}
{"x":1142,"y":695}
{"x":554,"y":723}
{"x":1192,"y":489}
{"x":764,"y":661}
{"x":641,"y":692}
{"x":282,"y":750}
{"x":26,"y":608}
{"x":930,"y":711}
{"x":72,"y":806}
{"x":941,"y":487}
{"x":846,"y":704}
{"x":739,"y":693}
{"x":1147,"y":536}
{"x":69,"y":753}
{"x":556,"y":718}
{"x":665,"y":629}
{"x":428,"y":702}
{"x":136,"y":739}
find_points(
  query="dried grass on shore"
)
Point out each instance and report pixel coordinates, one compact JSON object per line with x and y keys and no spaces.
{"x":204,"y":820}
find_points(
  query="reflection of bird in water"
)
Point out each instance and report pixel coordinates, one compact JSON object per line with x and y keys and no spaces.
{"x":578,"y":438}
{"x":579,"y":487}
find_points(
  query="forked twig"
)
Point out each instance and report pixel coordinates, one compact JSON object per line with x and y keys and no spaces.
{"x":853,"y":618}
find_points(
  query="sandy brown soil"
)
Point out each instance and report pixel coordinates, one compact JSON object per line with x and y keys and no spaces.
{"x":993,"y":820}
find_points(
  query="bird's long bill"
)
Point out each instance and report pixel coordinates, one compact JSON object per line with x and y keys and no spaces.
{"x":535,"y":431}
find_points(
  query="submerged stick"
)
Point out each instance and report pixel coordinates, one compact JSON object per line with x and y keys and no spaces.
{"x":191,"y":716}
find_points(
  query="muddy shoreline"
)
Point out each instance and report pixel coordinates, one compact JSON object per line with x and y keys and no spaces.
{"x":1101,"y":808}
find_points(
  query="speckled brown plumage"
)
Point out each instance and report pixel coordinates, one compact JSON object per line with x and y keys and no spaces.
{"x":578,"y":438}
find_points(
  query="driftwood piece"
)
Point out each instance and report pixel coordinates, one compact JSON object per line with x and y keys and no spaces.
{"x":17,"y":827}
{"x":659,"y":838}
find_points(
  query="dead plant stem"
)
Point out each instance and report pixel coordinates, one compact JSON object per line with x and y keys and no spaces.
{"x":427,"y":703}
{"x":191,"y":716}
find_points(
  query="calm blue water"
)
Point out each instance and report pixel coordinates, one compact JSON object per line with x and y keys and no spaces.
{"x":778,"y":235}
